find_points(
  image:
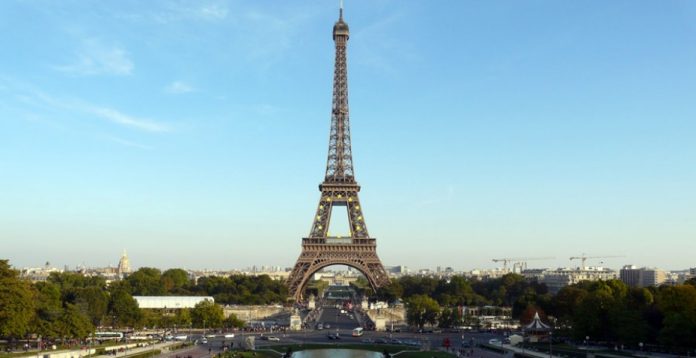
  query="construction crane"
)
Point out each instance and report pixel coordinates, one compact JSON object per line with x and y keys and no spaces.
{"x":584,"y":258}
{"x":505,"y":260}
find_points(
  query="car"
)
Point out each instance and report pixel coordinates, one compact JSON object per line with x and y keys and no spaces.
{"x":229,"y":335}
{"x":263,"y":338}
{"x":495,"y":341}
{"x":273,"y":339}
{"x":204,"y":340}
{"x":412,"y":343}
{"x":327,"y":326}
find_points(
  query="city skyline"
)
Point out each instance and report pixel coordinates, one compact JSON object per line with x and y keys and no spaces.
{"x":194,"y":134}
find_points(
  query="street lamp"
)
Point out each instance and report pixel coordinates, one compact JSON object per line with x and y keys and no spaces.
{"x":550,"y":344}
{"x":38,"y":347}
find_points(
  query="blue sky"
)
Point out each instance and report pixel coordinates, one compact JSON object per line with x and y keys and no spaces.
{"x":194,"y":133}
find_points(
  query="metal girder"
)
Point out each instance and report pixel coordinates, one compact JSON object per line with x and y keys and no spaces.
{"x":339,"y":188}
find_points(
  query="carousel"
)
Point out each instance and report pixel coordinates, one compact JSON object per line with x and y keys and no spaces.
{"x":537,"y":331}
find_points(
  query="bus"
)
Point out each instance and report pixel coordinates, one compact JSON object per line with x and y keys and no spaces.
{"x":108,"y":336}
{"x":358,"y":332}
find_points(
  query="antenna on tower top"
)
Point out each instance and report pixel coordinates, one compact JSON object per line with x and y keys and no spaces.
{"x":340,"y":8}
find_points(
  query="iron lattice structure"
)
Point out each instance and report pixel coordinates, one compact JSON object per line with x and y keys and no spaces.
{"x":338,"y":189}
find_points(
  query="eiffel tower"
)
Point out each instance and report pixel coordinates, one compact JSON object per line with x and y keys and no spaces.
{"x":338,"y":189}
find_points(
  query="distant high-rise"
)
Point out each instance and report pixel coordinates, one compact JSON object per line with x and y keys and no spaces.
{"x":630,"y":275}
{"x":642,"y":277}
{"x":123,"y":265}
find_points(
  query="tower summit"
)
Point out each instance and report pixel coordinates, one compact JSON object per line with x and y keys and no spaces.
{"x":339,"y":189}
{"x":339,"y":165}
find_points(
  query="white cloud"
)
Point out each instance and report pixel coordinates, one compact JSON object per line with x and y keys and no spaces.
{"x":35,"y":98}
{"x":96,"y":58}
{"x":213,"y":12}
{"x":115,"y":116}
{"x":178,"y":87}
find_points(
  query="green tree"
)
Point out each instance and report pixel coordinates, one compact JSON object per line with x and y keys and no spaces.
{"x":123,"y":309}
{"x":174,"y":280}
{"x":233,"y":321}
{"x":16,"y":302}
{"x":183,"y":317}
{"x":678,"y":305}
{"x":390,"y":292}
{"x":68,"y":281}
{"x":449,"y":317}
{"x":592,"y":316}
{"x":49,"y":309}
{"x":240,"y":289}
{"x":567,"y":301}
{"x":94,"y":302}
{"x":628,"y":318}
{"x":691,"y":281}
{"x":147,"y":281}
{"x":421,"y":309}
{"x":207,"y":314}
{"x":73,"y":323}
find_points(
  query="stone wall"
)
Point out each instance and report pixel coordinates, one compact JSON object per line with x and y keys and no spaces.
{"x":253,"y":313}
{"x":384,"y":317}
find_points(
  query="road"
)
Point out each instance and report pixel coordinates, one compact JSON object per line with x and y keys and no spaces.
{"x":341,"y":324}
{"x":432,"y":340}
{"x":344,"y":322}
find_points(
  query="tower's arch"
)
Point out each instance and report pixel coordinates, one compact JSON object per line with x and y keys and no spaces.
{"x":315,"y":267}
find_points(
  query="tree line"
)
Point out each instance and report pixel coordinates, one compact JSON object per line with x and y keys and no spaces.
{"x":233,"y":289}
{"x":71,"y":305}
{"x":608,"y":311}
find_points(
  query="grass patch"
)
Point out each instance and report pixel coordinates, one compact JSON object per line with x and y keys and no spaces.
{"x":178,"y":346}
{"x":255,"y":354}
{"x":558,"y":349}
{"x":427,"y":354}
